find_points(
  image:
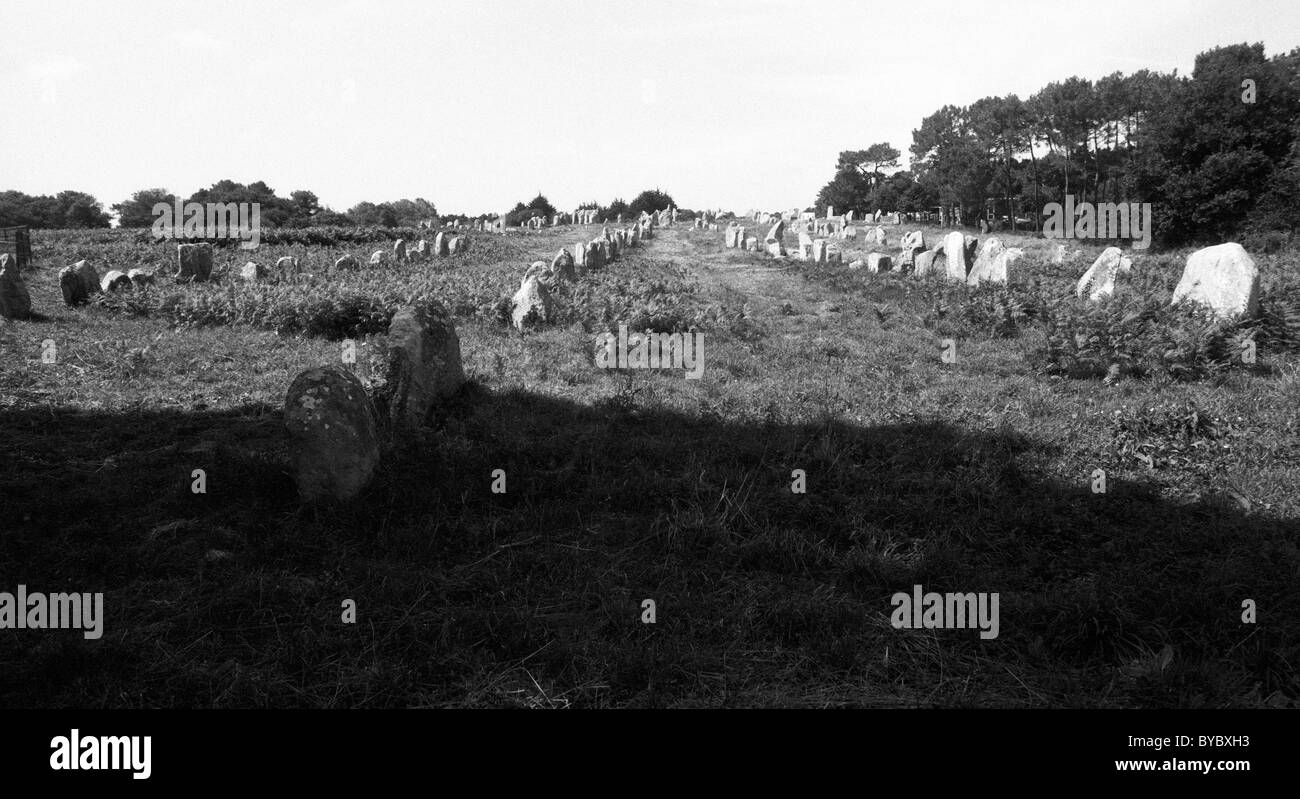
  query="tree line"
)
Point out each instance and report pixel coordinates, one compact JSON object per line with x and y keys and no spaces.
{"x":1216,"y":153}
{"x":302,"y":208}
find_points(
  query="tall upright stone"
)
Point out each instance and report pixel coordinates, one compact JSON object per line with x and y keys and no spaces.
{"x":399,"y":250}
{"x":194,"y":262}
{"x":424,"y":363}
{"x":1099,"y":280}
{"x":805,"y":246}
{"x":957,"y":250}
{"x":562,"y":266}
{"x":15,"y":300}
{"x":775,"y":240}
{"x":333,"y":434}
{"x":440,"y":247}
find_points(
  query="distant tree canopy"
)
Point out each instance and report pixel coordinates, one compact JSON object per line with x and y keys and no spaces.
{"x":67,"y":209}
{"x":1216,"y":154}
{"x":301,"y":208}
{"x":138,"y":211}
{"x":539,"y":206}
{"x":650,"y":201}
{"x":860,"y":184}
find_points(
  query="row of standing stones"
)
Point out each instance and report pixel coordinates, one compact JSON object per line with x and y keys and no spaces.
{"x":1223,"y":277}
{"x":533,"y":305}
{"x":80,"y":281}
{"x":336,"y":430}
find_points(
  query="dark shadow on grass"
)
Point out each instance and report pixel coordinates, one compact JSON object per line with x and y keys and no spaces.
{"x":533,"y":597}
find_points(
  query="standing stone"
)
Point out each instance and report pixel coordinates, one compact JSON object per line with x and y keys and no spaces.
{"x":805,"y":246}
{"x":1099,"y":280}
{"x":1223,"y":278}
{"x":537,"y":270}
{"x":140,"y":278}
{"x":924,"y":262}
{"x":878,"y":262}
{"x":399,"y":250}
{"x":346,"y":262}
{"x":996,"y":268}
{"x":562,"y":266}
{"x":730,"y":239}
{"x":195,"y":262}
{"x":596,"y":254}
{"x":377,"y":258}
{"x":72,"y":286}
{"x":333,"y":434}
{"x":751,"y":244}
{"x":912,"y":243}
{"x":252,"y":272}
{"x":989,"y":250}
{"x":849,"y":233}
{"x":531,"y":305}
{"x":114,"y":281}
{"x":775,"y":240}
{"x":424,"y":364}
{"x":956,"y":253}
{"x":78,"y":282}
{"x":819,"y":251}
{"x":440,"y":245}
{"x":580,"y":256}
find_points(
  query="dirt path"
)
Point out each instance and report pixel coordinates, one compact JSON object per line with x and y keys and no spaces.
{"x":765,"y":284}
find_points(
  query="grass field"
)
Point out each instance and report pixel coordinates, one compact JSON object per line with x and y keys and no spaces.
{"x":624,"y":486}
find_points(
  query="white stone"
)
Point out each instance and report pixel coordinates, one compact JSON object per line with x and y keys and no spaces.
{"x":1223,"y":278}
{"x":531,"y":305}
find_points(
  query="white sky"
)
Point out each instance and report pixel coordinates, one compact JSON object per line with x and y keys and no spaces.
{"x":478,"y":105}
